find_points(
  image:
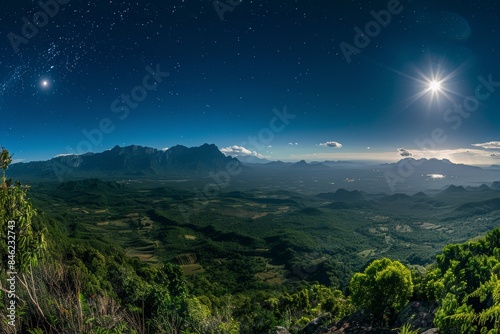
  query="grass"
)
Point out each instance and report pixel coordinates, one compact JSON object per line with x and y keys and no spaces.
{"x":408,"y":329}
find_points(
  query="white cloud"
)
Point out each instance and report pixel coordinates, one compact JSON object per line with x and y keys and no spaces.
{"x":333,"y":144}
{"x":404,"y":153}
{"x":489,"y":145}
{"x":164,"y":149}
{"x":293,"y":144}
{"x":236,"y":150}
{"x":64,"y":155}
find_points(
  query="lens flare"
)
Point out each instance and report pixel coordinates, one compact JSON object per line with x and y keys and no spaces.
{"x":435,"y":86}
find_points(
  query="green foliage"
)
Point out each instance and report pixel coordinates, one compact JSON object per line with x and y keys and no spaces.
{"x":292,"y":309}
{"x":25,"y":244}
{"x":467,"y":286}
{"x":454,"y":317}
{"x":202,"y":319}
{"x":408,"y":329}
{"x":35,"y":331}
{"x":383,"y":289}
{"x":488,"y":292}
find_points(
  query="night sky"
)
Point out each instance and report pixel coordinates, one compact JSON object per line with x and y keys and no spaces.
{"x":284,"y":80}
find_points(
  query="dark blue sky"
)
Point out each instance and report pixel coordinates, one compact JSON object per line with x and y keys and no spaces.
{"x":100,"y":68}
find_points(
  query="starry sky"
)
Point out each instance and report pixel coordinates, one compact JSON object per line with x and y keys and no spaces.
{"x":287,"y":80}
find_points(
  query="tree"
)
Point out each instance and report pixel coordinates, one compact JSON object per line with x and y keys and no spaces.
{"x":490,"y":292}
{"x":16,"y":217}
{"x":466,"y":285}
{"x":383,"y":289}
{"x":21,"y":246}
{"x":480,"y":310}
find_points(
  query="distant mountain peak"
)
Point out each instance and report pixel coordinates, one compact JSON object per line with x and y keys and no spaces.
{"x":300,"y":164}
{"x":484,"y":187}
{"x":454,"y":190}
{"x":424,"y":160}
{"x":495,"y":185}
{"x":133,"y":160}
{"x":493,"y":167}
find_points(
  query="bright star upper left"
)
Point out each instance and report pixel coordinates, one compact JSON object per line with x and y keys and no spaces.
{"x":45,"y":84}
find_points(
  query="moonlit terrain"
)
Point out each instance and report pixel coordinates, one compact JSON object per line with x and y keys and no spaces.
{"x":255,"y":166}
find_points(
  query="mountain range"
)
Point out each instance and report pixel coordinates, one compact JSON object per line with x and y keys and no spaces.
{"x":131,"y":160}
{"x":408,"y":175}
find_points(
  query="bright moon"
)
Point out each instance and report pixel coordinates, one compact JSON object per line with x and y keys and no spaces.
{"x":45,"y":83}
{"x":435,"y":86}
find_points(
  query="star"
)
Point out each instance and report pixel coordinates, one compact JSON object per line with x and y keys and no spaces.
{"x":45,"y":84}
{"x":435,"y":85}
